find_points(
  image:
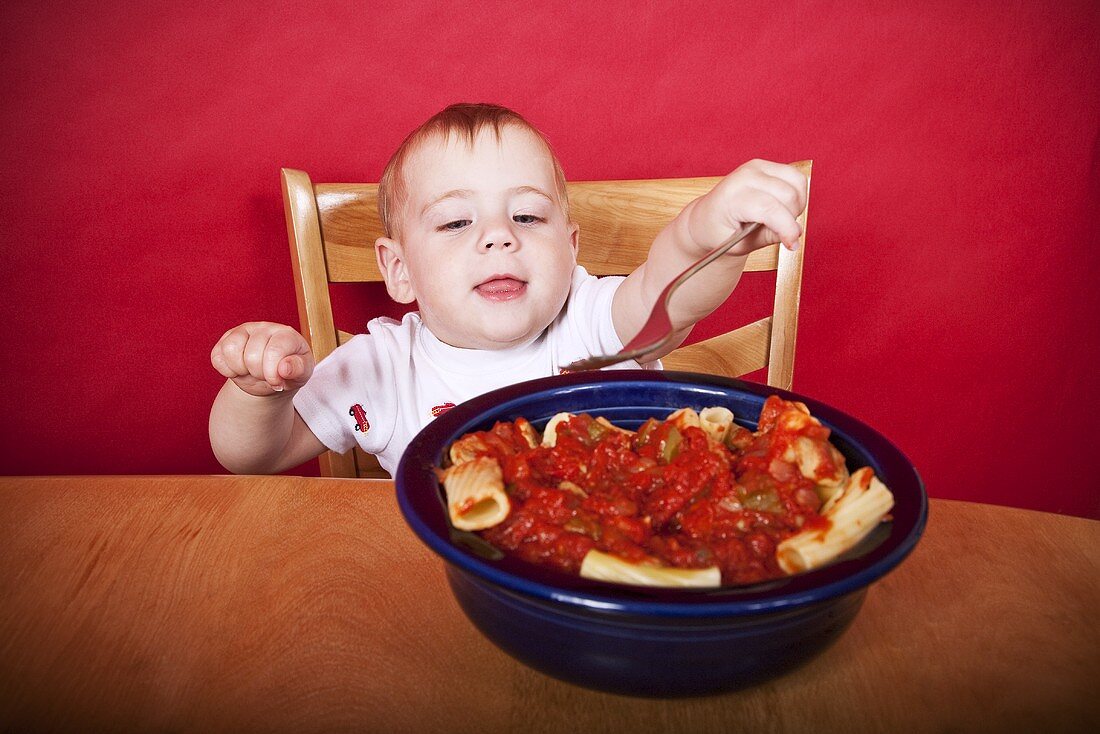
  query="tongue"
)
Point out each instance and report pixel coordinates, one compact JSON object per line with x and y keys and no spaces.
{"x":501,"y":285}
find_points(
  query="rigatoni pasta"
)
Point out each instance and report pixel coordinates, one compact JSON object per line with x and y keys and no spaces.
{"x":853,"y":512}
{"x":606,"y":567}
{"x":716,"y":422}
{"x":475,"y":494}
{"x":694,"y":499}
{"x":550,"y":433}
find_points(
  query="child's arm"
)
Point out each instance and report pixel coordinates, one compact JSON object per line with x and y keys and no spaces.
{"x":254,"y":428}
{"x":759,"y":191}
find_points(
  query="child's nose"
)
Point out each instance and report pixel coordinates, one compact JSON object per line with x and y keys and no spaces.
{"x":497,"y":234}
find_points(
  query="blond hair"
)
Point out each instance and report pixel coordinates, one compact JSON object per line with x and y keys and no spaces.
{"x":464,"y":121}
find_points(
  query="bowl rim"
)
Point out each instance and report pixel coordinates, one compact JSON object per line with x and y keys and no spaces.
{"x":418,"y":494}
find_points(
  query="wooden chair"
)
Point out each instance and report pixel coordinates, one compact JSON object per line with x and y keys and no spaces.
{"x":332,"y":229}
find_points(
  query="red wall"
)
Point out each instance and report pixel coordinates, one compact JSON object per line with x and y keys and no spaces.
{"x":949,"y":294}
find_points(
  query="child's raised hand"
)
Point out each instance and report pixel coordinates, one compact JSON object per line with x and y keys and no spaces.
{"x":773,"y":194}
{"x":263,"y":358}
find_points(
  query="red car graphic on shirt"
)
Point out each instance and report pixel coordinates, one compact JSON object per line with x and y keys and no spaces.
{"x":361,"y":423}
{"x":441,"y":409}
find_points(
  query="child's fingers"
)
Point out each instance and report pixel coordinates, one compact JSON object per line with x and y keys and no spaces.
{"x":792,"y":177}
{"x":785,"y":187}
{"x":785,"y":217}
{"x":254,"y":352}
{"x":766,"y":208}
{"x":218,"y":362}
{"x":228,"y":354}
{"x":284,"y":359}
{"x":784,"y":193}
{"x":294,"y":369}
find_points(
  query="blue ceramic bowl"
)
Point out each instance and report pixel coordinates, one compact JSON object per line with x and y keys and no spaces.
{"x":647,"y":641}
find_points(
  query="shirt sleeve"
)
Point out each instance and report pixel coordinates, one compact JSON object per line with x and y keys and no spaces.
{"x":587,"y":315}
{"x":586,"y":326}
{"x":350,"y":397}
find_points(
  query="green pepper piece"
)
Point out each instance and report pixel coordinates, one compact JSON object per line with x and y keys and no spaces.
{"x":596,"y":431}
{"x":670,"y":445}
{"x":764,"y":500}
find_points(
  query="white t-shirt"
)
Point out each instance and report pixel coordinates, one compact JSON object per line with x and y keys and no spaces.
{"x":381,"y":388}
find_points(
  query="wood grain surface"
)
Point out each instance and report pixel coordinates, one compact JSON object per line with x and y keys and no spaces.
{"x":303,"y":604}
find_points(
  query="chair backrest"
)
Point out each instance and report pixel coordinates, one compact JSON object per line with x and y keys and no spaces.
{"x":332,"y":229}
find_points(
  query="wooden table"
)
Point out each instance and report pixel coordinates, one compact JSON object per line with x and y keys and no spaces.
{"x":296,"y":604}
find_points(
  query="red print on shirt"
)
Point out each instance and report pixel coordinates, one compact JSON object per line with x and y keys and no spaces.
{"x":441,"y":409}
{"x":361,"y":423}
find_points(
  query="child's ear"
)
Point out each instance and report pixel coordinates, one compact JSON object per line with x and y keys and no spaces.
{"x":391,"y":262}
{"x":574,"y":238}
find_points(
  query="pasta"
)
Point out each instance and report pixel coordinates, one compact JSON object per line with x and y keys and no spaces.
{"x":473,"y":445}
{"x":475,"y":494}
{"x":717,"y":423}
{"x":606,"y":567}
{"x":852,"y":513}
{"x":692,"y":500}
{"x":550,"y":433}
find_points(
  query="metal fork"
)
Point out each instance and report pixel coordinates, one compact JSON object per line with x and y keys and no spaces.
{"x":657,"y":330}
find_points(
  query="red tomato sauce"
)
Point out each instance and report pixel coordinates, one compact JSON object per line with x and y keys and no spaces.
{"x":667,"y":494}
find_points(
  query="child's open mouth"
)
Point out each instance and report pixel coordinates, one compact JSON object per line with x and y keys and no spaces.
{"x":501,"y":288}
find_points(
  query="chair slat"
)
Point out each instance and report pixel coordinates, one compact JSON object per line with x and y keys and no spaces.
{"x":619,"y":219}
{"x":350,"y":224}
{"x":618,"y":222}
{"x":737,"y":352}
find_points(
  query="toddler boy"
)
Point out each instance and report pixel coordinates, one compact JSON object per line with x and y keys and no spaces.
{"x":478,"y":234}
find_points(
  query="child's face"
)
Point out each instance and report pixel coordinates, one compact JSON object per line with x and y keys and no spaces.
{"x":485,"y":247}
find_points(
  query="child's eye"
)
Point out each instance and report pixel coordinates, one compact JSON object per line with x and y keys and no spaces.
{"x":527,"y":219}
{"x":456,"y":225}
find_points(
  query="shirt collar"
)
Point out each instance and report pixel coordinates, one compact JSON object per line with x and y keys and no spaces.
{"x":476,"y":361}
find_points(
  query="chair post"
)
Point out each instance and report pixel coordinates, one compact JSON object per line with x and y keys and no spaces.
{"x":788,"y":287}
{"x":303,"y":227}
